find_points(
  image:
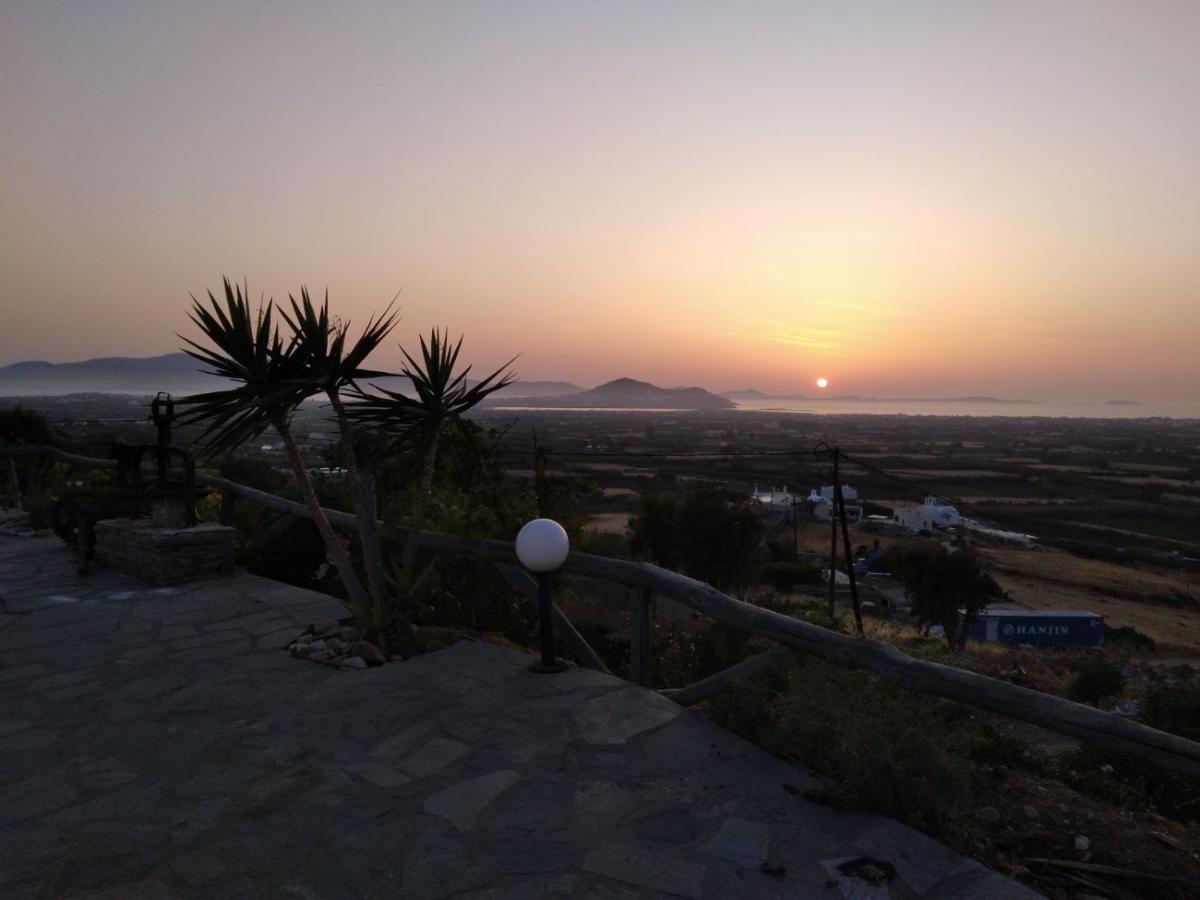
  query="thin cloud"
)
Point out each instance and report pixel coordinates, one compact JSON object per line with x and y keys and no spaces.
{"x":808,"y":338}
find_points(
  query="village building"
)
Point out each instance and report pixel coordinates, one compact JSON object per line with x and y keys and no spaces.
{"x":931,"y":514}
{"x":774,"y":497}
{"x":822,"y":503}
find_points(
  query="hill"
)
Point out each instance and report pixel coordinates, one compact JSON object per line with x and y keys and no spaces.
{"x":177,"y":373}
{"x":626,"y":393}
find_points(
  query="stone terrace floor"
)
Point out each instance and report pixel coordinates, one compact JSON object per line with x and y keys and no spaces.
{"x":156,"y":742}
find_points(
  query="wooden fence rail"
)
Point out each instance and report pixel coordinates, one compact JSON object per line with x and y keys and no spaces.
{"x":1092,"y":726}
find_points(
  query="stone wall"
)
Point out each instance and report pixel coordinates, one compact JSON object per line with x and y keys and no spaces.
{"x":165,"y":555}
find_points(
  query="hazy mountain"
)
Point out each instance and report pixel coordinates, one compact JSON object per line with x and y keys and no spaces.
{"x":522,"y":389}
{"x":176,"y":373}
{"x":746,"y":394}
{"x":625,"y":393}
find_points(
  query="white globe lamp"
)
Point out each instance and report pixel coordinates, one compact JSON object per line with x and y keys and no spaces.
{"x":542,"y":545}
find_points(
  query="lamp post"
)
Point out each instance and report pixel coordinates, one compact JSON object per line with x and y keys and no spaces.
{"x":542,"y":546}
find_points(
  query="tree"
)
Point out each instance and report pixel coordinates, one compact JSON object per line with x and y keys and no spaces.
{"x":442,"y":399}
{"x":699,"y":533}
{"x":19,"y":425}
{"x":652,"y":530}
{"x":320,"y":345}
{"x":272,"y":379}
{"x":946,"y":588}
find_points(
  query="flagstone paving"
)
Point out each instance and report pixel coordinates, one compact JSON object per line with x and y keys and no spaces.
{"x":158,"y":742}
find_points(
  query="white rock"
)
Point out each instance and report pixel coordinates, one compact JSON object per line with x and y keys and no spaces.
{"x":1082,"y":843}
{"x":354,"y":662}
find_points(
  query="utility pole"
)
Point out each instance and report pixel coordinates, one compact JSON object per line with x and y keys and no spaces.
{"x":795,"y":528}
{"x":841,"y":502}
{"x":837,"y":510}
{"x":833,"y":537}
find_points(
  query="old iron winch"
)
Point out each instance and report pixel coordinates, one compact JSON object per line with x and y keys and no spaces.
{"x":170,"y":497}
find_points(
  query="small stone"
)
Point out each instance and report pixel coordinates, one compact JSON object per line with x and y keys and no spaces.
{"x":354,"y":662}
{"x":395,"y":657}
{"x":336,"y":659}
{"x":1030,"y":812}
{"x":304,"y":651}
{"x":350,"y":633}
{"x":304,"y":639}
{"x":318,"y":646}
{"x":988,"y":815}
{"x":368,"y":651}
{"x":327,"y":628}
{"x":1082,"y":843}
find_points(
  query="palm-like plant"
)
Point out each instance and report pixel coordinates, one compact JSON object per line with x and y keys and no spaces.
{"x":442,"y":398}
{"x":272,"y":378}
{"x":322,"y":348}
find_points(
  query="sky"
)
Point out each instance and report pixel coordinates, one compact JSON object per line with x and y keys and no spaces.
{"x":911,"y":199}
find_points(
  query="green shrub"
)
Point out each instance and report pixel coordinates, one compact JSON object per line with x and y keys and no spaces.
{"x":1128,"y":637}
{"x":1174,"y":709}
{"x":784,"y":576}
{"x":1130,"y":783}
{"x":37,"y":502}
{"x":1097,"y":679}
{"x":883,"y":749}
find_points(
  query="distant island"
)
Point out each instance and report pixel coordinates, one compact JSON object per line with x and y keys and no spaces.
{"x":626,"y":393}
{"x":1122,"y":403}
{"x":755,"y":394}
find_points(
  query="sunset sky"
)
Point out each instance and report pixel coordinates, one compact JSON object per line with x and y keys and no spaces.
{"x":909,"y":198}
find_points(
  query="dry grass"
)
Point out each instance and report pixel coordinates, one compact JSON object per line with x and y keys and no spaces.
{"x":608,"y":523}
{"x":1149,"y":467}
{"x":1142,"y":479}
{"x":1062,"y":568}
{"x":953,"y":473}
{"x":619,"y":492}
{"x":1053,"y":579}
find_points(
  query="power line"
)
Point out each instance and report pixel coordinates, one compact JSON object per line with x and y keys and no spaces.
{"x":643,"y":454}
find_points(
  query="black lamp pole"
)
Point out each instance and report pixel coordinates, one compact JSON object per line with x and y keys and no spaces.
{"x":548,"y":664}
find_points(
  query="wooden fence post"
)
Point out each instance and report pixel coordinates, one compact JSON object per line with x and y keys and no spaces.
{"x":640,"y":622}
{"x":228,"y":506}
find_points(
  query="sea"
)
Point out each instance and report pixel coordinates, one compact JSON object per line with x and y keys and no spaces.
{"x":1017,"y":409}
{"x":1179,"y":409}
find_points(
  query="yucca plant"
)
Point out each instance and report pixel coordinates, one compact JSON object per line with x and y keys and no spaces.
{"x":273,"y":378}
{"x":442,"y":398}
{"x":323,"y":348}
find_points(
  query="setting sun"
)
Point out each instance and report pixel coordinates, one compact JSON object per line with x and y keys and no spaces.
{"x":822,"y":383}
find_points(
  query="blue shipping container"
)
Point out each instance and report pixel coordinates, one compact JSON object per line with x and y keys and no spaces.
{"x":1039,"y":627}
